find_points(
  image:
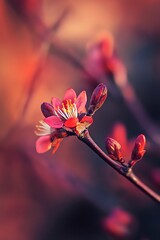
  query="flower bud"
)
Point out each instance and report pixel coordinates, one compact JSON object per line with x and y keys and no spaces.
{"x":98,"y":97}
{"x":138,"y":150}
{"x":47,"y":109}
{"x":114,"y":149}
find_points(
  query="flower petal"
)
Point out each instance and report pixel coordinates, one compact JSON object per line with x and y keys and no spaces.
{"x":70,"y":95}
{"x":81,"y":101}
{"x":43,"y":144}
{"x":54,"y":121}
{"x":71,"y":122}
{"x":87,"y":119}
{"x":56,"y":102}
{"x":55,"y":144}
{"x":47,"y":109}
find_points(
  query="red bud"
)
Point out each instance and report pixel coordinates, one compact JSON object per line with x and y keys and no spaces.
{"x":138,"y":150}
{"x":98,"y":97}
{"x":114,"y":149}
{"x":47,"y":109}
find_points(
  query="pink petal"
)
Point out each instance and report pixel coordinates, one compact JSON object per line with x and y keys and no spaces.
{"x":56,"y":102}
{"x":43,"y":144}
{"x":56,"y":144}
{"x":81,"y":101}
{"x":71,"y":122}
{"x":54,"y":121}
{"x":87,"y":119}
{"x":70,"y":94}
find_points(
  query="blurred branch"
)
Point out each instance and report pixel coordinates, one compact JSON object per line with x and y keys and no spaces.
{"x":66,"y":53}
{"x":136,"y":107}
{"x":45,"y":37}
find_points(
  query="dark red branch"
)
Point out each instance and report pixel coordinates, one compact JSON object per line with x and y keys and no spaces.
{"x":123,"y":169}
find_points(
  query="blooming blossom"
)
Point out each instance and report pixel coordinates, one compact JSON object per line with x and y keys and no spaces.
{"x":66,"y":117}
{"x":68,"y":112}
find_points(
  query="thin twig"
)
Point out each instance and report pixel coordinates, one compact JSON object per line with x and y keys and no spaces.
{"x":123,"y":169}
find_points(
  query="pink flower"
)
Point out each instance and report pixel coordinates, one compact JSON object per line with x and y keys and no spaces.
{"x":67,"y":117}
{"x":62,"y":118}
{"x":67,"y":111}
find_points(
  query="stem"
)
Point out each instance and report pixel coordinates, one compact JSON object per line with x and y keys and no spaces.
{"x":123,"y":169}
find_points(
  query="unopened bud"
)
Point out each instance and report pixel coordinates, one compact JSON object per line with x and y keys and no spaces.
{"x":98,"y":97}
{"x":47,"y":109}
{"x":114,"y":149}
{"x":138,"y":150}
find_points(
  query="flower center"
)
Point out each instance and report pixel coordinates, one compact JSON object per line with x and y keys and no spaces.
{"x":68,"y":110}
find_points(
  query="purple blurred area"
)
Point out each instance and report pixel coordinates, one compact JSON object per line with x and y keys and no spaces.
{"x":74,"y":195}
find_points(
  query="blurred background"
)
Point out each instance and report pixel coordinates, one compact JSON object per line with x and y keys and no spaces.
{"x":46,"y":47}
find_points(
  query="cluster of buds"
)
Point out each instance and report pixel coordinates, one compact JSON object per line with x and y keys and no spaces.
{"x":114,"y":150}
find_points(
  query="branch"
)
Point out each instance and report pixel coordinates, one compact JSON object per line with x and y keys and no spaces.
{"x":121,"y":168}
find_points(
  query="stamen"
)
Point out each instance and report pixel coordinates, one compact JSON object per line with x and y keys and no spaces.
{"x":55,"y":112}
{"x":62,"y":114}
{"x":75,"y":109}
{"x":69,"y":113}
{"x":43,"y":129}
{"x":64,"y":110}
{"x":41,"y":133}
{"x":68,"y":110}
